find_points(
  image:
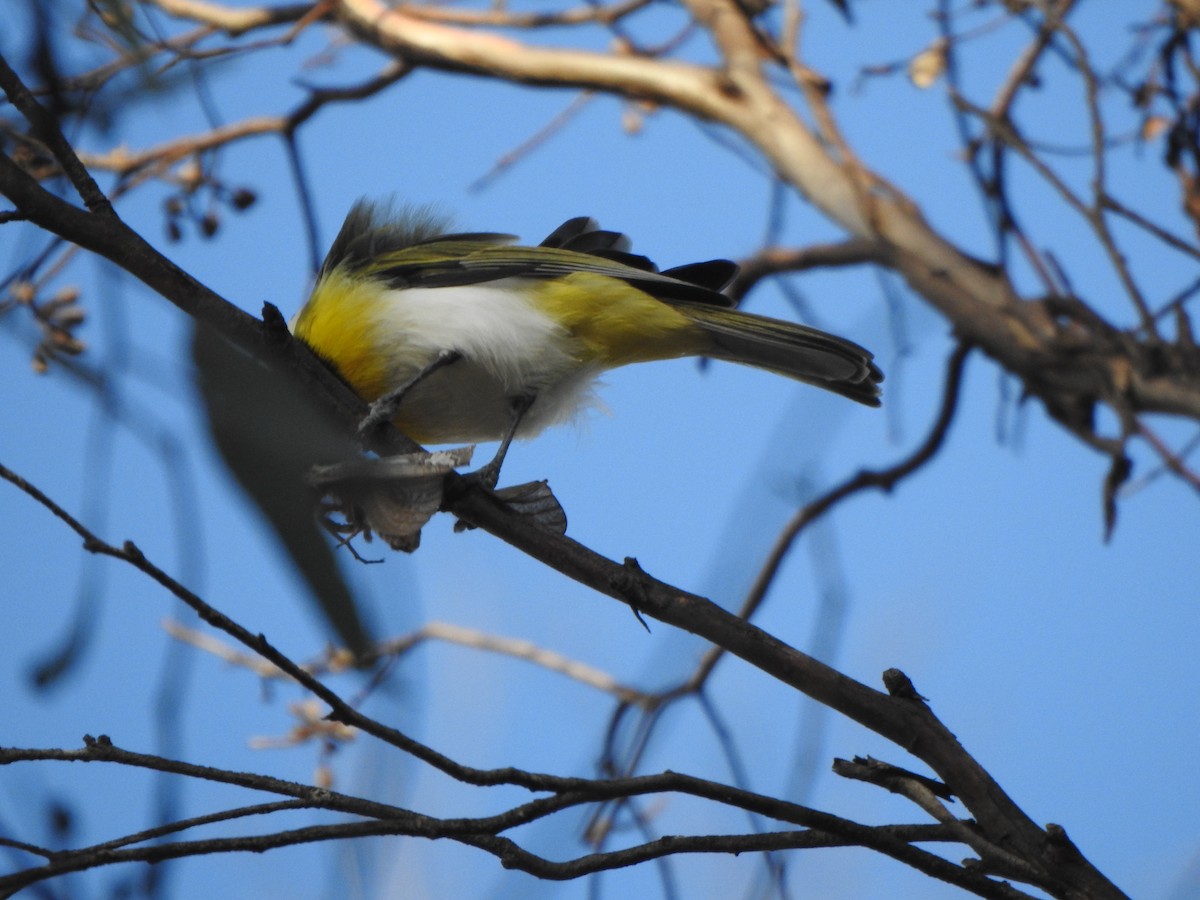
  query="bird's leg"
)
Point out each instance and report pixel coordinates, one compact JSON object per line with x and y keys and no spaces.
{"x":533,"y":500}
{"x":384,"y":409}
{"x":489,"y":474}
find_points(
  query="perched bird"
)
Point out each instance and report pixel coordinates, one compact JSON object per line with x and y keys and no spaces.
{"x":469,"y":337}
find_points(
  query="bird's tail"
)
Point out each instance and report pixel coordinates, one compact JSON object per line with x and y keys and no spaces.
{"x":806,"y":354}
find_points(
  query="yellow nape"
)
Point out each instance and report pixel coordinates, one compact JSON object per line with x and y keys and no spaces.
{"x":340,"y":324}
{"x":617,"y":323}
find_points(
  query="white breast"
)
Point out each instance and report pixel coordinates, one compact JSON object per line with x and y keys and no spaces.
{"x":509,"y":348}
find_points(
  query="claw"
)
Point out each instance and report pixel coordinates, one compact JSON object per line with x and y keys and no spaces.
{"x":488,"y":475}
{"x":386,"y":407}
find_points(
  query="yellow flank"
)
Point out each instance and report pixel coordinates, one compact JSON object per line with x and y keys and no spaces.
{"x":339,"y":324}
{"x":616,"y":322}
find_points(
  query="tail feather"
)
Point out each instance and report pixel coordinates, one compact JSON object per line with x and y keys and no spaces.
{"x":714,"y":274}
{"x":806,"y":354}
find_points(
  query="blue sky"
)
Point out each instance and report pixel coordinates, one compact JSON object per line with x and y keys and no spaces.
{"x":1065,"y":664}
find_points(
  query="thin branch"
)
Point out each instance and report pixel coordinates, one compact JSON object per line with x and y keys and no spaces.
{"x":1099,"y":183}
{"x":930,"y":864}
{"x":1171,"y":460}
{"x":913,"y":787}
{"x":513,"y":856}
{"x":46,"y":130}
{"x":227,"y":815}
{"x":770,"y":261}
{"x":534,"y":141}
{"x":1175,"y":242}
{"x":126,"y":163}
{"x":1019,"y":77}
{"x":102,"y":749}
{"x":824,"y":830}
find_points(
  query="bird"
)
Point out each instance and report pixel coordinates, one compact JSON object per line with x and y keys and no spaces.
{"x":470,"y":337}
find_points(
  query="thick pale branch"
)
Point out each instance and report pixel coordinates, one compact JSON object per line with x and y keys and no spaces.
{"x":234,"y":20}
{"x":587,"y":14}
{"x":695,"y":89}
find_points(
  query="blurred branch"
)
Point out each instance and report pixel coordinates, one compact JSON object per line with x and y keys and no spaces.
{"x":1171,"y":460}
{"x":338,"y":661}
{"x":527,"y":146}
{"x":236,"y":21}
{"x":126,"y":163}
{"x":588,"y":14}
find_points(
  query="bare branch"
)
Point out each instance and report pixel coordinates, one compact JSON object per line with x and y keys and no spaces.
{"x":781,"y":260}
{"x":588,"y":14}
{"x":235,"y":20}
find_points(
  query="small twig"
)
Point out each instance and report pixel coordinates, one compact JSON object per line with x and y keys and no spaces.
{"x":915,"y":788}
{"x":228,"y":815}
{"x":157,"y":159}
{"x":1170,"y":459}
{"x":1116,"y":206}
{"x":534,"y":141}
{"x":782,"y":260}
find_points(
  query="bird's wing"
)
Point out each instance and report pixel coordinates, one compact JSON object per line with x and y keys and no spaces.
{"x":456,"y":259}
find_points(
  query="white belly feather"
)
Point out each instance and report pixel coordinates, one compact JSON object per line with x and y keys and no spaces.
{"x":509,"y":348}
